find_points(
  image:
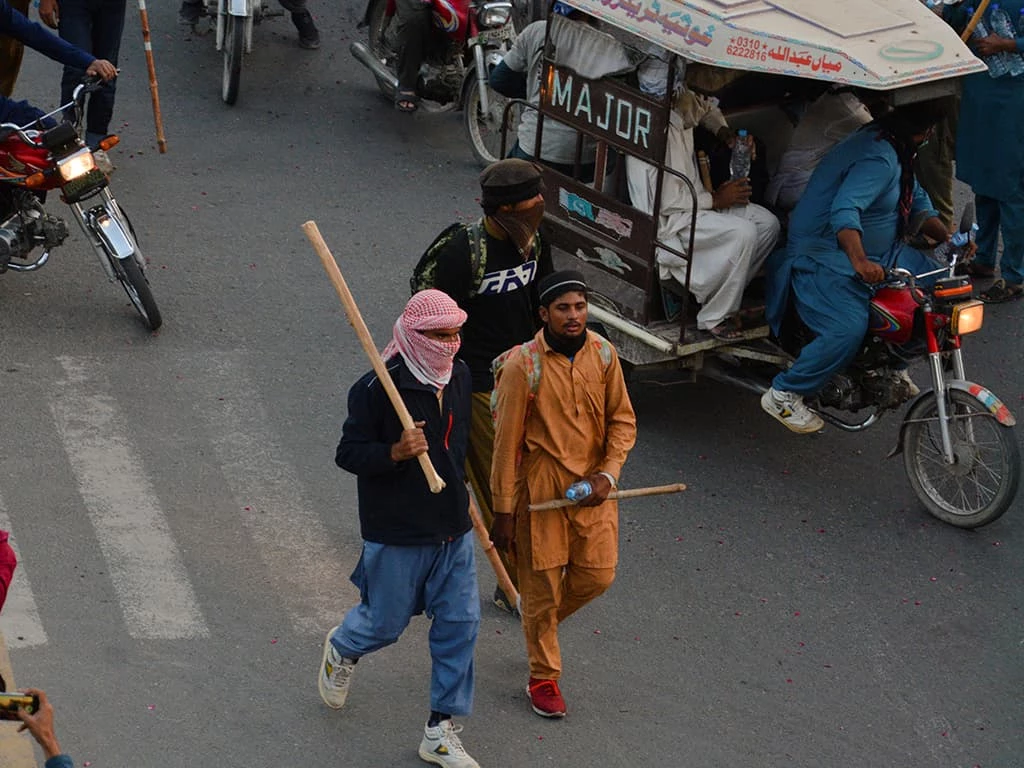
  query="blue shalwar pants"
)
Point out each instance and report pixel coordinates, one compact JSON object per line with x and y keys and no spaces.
{"x":1006,"y":216}
{"x":835,"y":307}
{"x":396,"y":583}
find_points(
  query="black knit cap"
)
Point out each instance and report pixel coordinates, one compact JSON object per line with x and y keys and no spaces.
{"x":508,"y":181}
{"x":558,"y":284}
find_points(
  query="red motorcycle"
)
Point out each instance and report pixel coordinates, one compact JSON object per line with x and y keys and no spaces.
{"x":469,"y":38}
{"x":35,"y":160}
{"x":959,"y":449}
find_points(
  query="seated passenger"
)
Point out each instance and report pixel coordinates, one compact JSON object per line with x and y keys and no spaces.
{"x":578,"y":46}
{"x":733,"y":236}
{"x":844,"y":233}
{"x":824,"y":123}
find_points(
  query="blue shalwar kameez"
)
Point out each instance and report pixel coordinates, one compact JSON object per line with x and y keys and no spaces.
{"x":990,"y":158}
{"x":855,"y":186}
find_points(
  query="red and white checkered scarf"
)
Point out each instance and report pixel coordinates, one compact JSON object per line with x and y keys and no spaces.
{"x":430,"y":361}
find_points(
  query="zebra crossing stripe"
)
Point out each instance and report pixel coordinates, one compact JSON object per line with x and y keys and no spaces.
{"x":20,"y":622}
{"x":292,"y":541}
{"x":145,"y":567}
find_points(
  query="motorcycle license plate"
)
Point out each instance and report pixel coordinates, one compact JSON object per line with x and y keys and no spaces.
{"x":76,"y":189}
{"x":499,"y":35}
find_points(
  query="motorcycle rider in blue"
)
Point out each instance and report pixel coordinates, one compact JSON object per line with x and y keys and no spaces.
{"x":847,"y":229}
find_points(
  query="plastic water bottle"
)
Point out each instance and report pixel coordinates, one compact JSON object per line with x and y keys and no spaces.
{"x":1002,"y":25}
{"x":944,"y":252}
{"x":997,"y":65}
{"x":739,"y":163}
{"x":578,"y":490}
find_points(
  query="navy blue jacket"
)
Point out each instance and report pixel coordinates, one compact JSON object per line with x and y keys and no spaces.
{"x":395,"y":502}
{"x":36,"y":36}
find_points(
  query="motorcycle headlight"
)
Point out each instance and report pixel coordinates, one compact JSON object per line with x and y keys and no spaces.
{"x":76,"y":165}
{"x":493,"y":15}
{"x":967,"y":318}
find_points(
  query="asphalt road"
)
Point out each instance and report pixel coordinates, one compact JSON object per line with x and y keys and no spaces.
{"x":186,"y":539}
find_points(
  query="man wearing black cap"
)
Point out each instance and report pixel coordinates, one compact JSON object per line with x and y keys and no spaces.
{"x":563,"y":416}
{"x":491,"y":268}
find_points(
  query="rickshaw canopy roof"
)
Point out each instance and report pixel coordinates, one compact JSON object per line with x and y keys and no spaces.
{"x":876,"y":44}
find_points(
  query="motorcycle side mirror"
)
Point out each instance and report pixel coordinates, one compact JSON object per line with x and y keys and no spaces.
{"x":968,"y":217}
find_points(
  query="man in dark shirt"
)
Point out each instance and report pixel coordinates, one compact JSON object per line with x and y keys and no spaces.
{"x":417,"y":546}
{"x":499,"y":297}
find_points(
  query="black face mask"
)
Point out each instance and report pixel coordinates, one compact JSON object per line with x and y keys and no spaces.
{"x":565,"y":345}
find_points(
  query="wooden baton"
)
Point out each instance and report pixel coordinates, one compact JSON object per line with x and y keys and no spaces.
{"x":632,"y":493}
{"x":484,"y":537}
{"x":154,"y":92}
{"x":356,"y":319}
{"x":978,"y":14}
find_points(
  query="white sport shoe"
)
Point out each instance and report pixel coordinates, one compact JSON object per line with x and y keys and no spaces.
{"x":789,"y":408}
{"x":441,"y":746}
{"x":335,"y":675}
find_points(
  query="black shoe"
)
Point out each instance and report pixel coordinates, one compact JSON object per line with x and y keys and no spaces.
{"x":501,"y":600}
{"x":191,"y":11}
{"x":309,"y":36}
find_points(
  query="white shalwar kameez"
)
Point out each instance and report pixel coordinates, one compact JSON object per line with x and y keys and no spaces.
{"x":729,"y":246}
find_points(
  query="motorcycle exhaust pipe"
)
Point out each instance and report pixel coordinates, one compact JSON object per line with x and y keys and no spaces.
{"x":365,"y":57}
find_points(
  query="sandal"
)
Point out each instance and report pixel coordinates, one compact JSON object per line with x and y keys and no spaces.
{"x":726,"y":331}
{"x":1001,"y":291}
{"x":406,"y":100}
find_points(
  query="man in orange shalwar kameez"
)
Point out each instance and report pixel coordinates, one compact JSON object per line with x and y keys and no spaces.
{"x":571,"y":421}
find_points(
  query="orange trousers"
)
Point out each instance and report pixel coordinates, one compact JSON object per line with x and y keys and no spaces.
{"x":549,"y":597}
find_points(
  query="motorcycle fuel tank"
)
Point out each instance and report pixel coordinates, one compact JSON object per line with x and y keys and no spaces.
{"x":891,"y":315}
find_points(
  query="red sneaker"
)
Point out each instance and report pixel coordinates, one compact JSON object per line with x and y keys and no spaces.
{"x":545,"y":698}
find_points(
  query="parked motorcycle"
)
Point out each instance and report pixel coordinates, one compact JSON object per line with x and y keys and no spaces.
{"x":469,"y":38}
{"x":34,"y":160}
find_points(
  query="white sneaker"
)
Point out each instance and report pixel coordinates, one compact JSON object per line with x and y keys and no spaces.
{"x":441,"y":746}
{"x":903,"y":375}
{"x":789,"y":408}
{"x":335,"y":675}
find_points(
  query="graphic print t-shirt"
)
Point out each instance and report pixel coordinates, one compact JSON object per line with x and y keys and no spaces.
{"x":503,"y":310}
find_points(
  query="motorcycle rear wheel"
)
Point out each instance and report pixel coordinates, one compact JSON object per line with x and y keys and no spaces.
{"x":383,"y":42}
{"x":484,"y":130}
{"x":982,"y":483}
{"x":234,"y":47}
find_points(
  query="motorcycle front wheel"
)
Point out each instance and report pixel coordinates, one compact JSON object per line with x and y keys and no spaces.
{"x":234,"y":47}
{"x":130,"y":274}
{"x":982,"y":481}
{"x":484,"y":129}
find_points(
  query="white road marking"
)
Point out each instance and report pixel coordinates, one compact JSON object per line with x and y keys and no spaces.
{"x":305,"y":569}
{"x":145,"y":567}
{"x":20,"y":623}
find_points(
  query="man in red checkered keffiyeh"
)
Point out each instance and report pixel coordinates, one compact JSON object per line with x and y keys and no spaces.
{"x":426,"y":335}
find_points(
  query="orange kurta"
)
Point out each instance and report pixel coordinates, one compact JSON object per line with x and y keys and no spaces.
{"x":580,"y":422}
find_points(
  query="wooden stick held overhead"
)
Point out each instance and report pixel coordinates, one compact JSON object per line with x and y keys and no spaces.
{"x":356,"y":319}
{"x":154,"y":92}
{"x":632,"y":493}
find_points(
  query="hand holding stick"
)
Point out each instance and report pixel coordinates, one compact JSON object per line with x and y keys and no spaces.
{"x":484,"y":536}
{"x":624,"y":494}
{"x":977,"y":17}
{"x":356,"y":319}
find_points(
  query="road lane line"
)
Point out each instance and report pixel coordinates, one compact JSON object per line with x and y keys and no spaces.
{"x":306,"y":570}
{"x":20,"y":621}
{"x":145,"y":567}
{"x":15,"y":748}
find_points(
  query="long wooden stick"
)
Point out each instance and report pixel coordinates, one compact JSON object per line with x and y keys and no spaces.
{"x":153,"y":90}
{"x":978,"y":14}
{"x":484,"y":537}
{"x":632,"y":493}
{"x":356,"y":319}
